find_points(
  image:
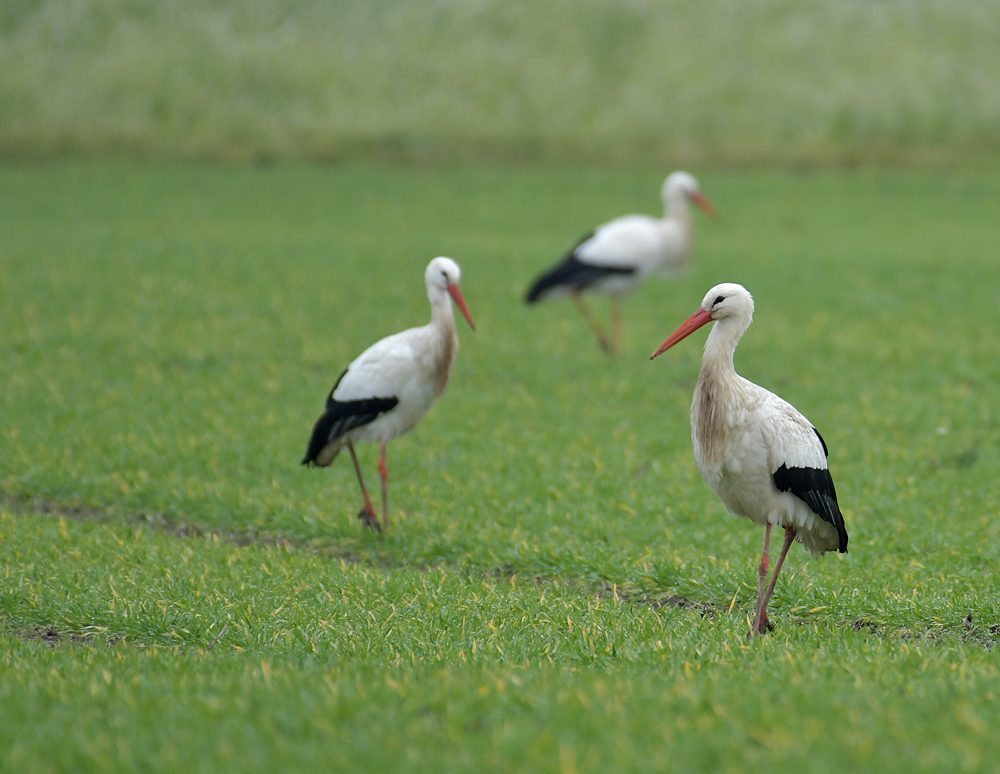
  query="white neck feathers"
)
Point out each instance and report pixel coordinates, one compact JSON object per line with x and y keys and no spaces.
{"x":442,"y":312}
{"x":675,"y":207}
{"x":444,"y":338}
{"x":721,"y":343}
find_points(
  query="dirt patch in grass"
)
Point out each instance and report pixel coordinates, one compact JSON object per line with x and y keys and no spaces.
{"x":869,"y":626}
{"x":658,"y":602}
{"x":706,"y":609}
{"x":26,"y":504}
{"x":53,"y":637}
{"x":47,"y":507}
{"x":985,"y":635}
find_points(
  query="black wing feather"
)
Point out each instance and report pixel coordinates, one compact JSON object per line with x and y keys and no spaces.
{"x":572,"y":273}
{"x":340,"y":417}
{"x":815,"y":488}
{"x":329,"y":398}
{"x":822,"y":442}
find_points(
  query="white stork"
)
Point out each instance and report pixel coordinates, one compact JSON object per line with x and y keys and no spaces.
{"x":390,"y":387}
{"x":618,"y":256}
{"x":765,"y":461}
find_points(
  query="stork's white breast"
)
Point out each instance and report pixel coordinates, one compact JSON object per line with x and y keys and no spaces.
{"x":401,"y":366}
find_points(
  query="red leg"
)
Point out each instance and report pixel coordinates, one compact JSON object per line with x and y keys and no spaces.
{"x":383,"y":471}
{"x":762,"y":610}
{"x":367,"y":514}
{"x":765,"y":562}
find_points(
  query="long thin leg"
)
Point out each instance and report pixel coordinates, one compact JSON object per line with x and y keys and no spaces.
{"x":383,"y":471}
{"x":616,"y":324}
{"x":367,"y":514}
{"x":765,"y":561}
{"x":593,"y":322}
{"x":762,"y":610}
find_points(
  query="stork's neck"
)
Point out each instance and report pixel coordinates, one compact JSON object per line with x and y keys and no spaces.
{"x":676,"y":208}
{"x":442,"y":313}
{"x":444,"y":342}
{"x":717,"y":362}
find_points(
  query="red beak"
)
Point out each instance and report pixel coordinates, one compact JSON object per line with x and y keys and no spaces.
{"x":689,"y":326}
{"x":698,"y":198}
{"x":456,"y":294}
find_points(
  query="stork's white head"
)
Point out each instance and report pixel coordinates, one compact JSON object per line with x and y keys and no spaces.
{"x":442,"y":272}
{"x":729,"y":300}
{"x":442,"y":276}
{"x":680,"y":187}
{"x":729,"y":304}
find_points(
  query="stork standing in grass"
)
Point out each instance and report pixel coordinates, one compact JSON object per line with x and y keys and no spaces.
{"x":764,"y":460}
{"x":390,"y":387}
{"x":614,"y":259}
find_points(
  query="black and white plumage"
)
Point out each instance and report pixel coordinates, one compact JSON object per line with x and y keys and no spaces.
{"x":387,"y":390}
{"x":764,"y":459}
{"x":617,"y":257}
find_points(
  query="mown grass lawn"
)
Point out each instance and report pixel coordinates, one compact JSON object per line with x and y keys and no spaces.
{"x":560,"y":591}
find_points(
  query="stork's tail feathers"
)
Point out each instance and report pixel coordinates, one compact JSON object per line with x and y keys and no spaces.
{"x":543,"y":286}
{"x":572,"y":276}
{"x":814,"y":486}
{"x":568,"y":274}
{"x":318,"y":461}
{"x":339,"y":418}
{"x":319,"y":440}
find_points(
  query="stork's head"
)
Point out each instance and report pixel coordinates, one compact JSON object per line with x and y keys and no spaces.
{"x":728,"y":300}
{"x":728,"y":303}
{"x":442,"y":276}
{"x":683,"y":186}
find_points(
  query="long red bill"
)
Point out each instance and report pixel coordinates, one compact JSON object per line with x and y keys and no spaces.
{"x":699,"y":198}
{"x":689,"y":326}
{"x":457,"y":295}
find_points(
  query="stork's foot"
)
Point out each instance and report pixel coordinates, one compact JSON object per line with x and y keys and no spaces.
{"x":369,"y":519}
{"x":763,"y":627}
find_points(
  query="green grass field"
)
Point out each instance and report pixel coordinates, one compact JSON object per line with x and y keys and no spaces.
{"x":826,"y":82}
{"x":559,"y":591}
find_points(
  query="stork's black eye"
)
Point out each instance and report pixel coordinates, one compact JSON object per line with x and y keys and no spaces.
{"x":718,"y":300}
{"x":445,"y":275}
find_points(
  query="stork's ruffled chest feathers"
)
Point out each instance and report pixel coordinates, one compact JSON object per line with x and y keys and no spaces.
{"x":440,"y":357}
{"x":729,"y":446}
{"x":725,"y":434}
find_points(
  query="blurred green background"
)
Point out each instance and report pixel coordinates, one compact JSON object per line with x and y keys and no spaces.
{"x":723,"y":83}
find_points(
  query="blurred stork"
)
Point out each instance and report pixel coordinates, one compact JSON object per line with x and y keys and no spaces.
{"x":615,"y":258}
{"x":765,"y":461}
{"x":390,"y":387}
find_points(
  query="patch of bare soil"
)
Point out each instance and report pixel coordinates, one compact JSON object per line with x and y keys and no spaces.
{"x":53,"y":637}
